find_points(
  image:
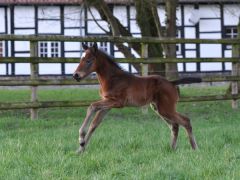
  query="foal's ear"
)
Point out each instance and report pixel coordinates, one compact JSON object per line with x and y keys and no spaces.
{"x":95,"y":47}
{"x":85,"y":46}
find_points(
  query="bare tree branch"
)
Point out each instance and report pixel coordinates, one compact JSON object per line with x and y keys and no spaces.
{"x":115,"y":25}
{"x":104,"y":30}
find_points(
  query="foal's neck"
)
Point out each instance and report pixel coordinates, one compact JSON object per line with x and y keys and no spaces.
{"x":106,"y":70}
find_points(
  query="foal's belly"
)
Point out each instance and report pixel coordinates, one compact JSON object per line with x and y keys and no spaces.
{"x":137,"y":102}
{"x":138,"y":97}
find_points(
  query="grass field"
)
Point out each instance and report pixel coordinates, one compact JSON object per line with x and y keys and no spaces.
{"x":127,"y":145}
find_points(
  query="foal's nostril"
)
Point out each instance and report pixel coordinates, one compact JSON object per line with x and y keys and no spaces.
{"x":75,"y":75}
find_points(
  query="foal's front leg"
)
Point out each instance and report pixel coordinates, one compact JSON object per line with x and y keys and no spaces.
{"x":95,"y":123}
{"x":101,"y":108}
{"x":82,"y":130}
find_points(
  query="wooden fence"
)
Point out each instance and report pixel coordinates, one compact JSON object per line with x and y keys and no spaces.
{"x":34,"y":81}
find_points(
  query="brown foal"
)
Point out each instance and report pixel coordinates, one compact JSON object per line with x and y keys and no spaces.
{"x":119,"y":88}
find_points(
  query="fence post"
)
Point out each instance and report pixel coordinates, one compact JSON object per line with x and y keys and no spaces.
{"x":144,"y":51}
{"x":236,"y":68}
{"x":234,"y":85}
{"x":144,"y":69}
{"x":34,"y":75}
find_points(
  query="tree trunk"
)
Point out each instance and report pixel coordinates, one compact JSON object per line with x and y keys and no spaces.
{"x":145,"y":18}
{"x":170,"y":7}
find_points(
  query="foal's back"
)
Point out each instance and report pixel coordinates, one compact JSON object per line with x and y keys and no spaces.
{"x":147,"y":89}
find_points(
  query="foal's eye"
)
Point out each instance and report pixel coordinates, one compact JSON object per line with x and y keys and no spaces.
{"x":88,"y":61}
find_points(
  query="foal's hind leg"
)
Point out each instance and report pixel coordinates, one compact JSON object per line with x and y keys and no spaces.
{"x":173,"y":126}
{"x":175,"y":129}
{"x":175,"y":119}
{"x":185,"y":122}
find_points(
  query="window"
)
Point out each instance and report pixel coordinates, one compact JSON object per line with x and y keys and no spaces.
{"x":101,"y":45}
{"x":178,"y":46}
{"x":43,"y":49}
{"x":230,"y":32}
{"x":1,"y":49}
{"x":54,"y":49}
{"x":104,"y":46}
{"x":49,"y":49}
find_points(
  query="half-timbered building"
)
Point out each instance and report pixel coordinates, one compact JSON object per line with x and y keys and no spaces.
{"x":195,"y":19}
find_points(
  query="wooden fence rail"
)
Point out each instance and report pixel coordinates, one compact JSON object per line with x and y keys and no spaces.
{"x":115,"y":39}
{"x":64,"y":82}
{"x":48,"y":104}
{"x":35,"y":80}
{"x":152,"y":60}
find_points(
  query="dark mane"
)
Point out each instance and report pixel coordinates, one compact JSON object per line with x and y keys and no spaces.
{"x":110,"y":59}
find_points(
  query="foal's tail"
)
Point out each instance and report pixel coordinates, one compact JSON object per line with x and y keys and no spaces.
{"x":188,"y":80}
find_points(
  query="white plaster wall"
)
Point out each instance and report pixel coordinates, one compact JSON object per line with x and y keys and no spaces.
{"x":49,"y":26}
{"x":187,"y":12}
{"x":209,"y":11}
{"x":94,"y":12}
{"x":180,"y":67}
{"x":191,"y":66}
{"x":231,"y":14}
{"x":2,"y":20}
{"x":24,"y":16}
{"x":74,"y":32}
{"x":208,"y":25}
{"x":72,"y":46}
{"x":70,"y":68}
{"x":22,"y":68}
{"x":161,"y":14}
{"x":211,"y":66}
{"x":49,"y":12}
{"x":179,"y":16}
{"x":22,"y":46}
{"x":228,"y":53}
{"x":24,"y":31}
{"x":3,"y":69}
{"x":190,"y":32}
{"x":210,"y":50}
{"x":121,"y":13}
{"x":134,"y":27}
{"x":73,"y":16}
{"x":53,"y":68}
{"x":93,"y":28}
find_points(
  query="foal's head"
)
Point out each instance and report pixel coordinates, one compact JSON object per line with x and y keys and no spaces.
{"x":87,"y":63}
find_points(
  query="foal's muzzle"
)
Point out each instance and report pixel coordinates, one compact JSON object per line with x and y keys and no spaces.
{"x":76,"y":77}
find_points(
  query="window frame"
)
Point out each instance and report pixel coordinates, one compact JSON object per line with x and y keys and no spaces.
{"x":2,"y":49}
{"x":49,"y":49}
{"x":230,"y":35}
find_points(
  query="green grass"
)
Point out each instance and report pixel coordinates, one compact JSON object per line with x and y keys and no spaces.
{"x":127,"y":145}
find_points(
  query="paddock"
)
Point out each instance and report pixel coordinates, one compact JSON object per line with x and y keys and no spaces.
{"x":129,"y":144}
{"x":34,"y":80}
